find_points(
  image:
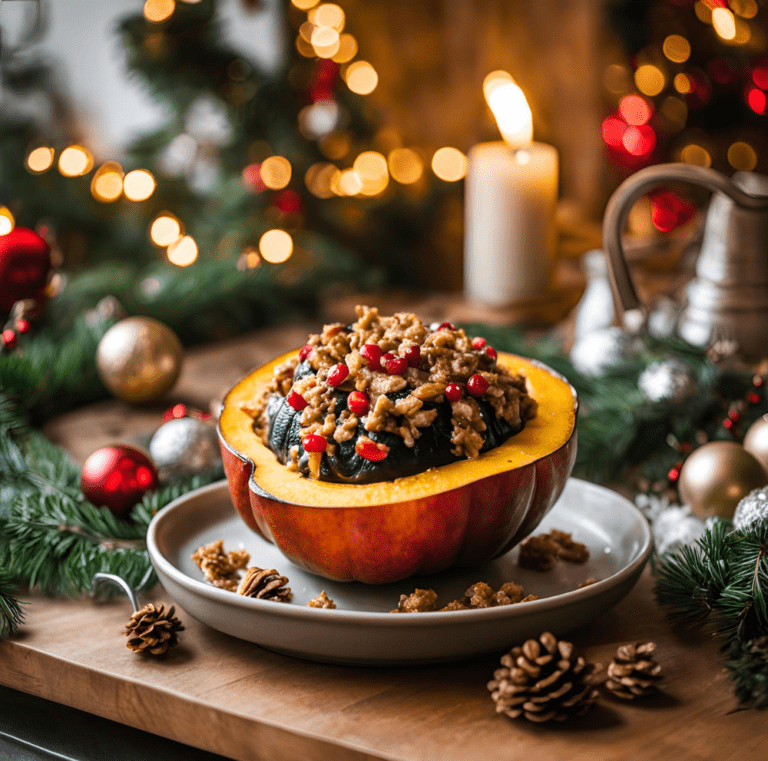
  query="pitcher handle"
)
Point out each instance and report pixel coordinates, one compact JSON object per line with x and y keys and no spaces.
{"x":616,"y":213}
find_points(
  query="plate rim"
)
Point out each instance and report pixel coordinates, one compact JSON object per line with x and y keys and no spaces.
{"x":163,"y":566}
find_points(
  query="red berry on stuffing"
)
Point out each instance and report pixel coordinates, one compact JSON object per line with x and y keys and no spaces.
{"x":478,"y":343}
{"x":453,"y":392}
{"x":446,"y":326}
{"x":413,"y":356}
{"x":394,"y":365}
{"x":372,"y":354}
{"x":370,"y":450}
{"x":314,"y":443}
{"x":338,"y":374}
{"x":358,"y":403}
{"x":491,"y":352}
{"x":477,"y":385}
{"x":305,"y":352}
{"x":297,"y":401}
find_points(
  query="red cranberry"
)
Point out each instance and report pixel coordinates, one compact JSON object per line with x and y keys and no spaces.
{"x":478,"y":343}
{"x":9,"y":338}
{"x":446,"y":326}
{"x":370,"y":450}
{"x":413,"y":356}
{"x":314,"y":443}
{"x":297,"y":401}
{"x":23,"y":325}
{"x":372,"y":353}
{"x":393,"y":364}
{"x":453,"y":392}
{"x":491,"y":352}
{"x":477,"y":385}
{"x":305,"y":352}
{"x":338,"y":374}
{"x":358,"y":403}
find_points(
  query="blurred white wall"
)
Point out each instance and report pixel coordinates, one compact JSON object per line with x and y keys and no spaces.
{"x":82,"y":41}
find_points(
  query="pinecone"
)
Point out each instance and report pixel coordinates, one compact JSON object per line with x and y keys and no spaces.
{"x":266,"y":584}
{"x":633,"y":673}
{"x":151,"y":630}
{"x":543,"y":680}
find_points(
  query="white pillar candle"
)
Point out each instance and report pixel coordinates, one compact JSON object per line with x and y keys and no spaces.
{"x":510,"y":202}
{"x":510,"y":233}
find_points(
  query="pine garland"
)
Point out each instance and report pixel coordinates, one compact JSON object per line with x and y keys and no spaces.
{"x":11,"y":615}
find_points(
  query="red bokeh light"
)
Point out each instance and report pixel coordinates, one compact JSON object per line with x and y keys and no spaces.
{"x":756,"y":100}
{"x":639,"y":141}
{"x":252,"y":178}
{"x":760,"y":74}
{"x":635,"y":110}
{"x":668,"y":210}
{"x":613,"y":131}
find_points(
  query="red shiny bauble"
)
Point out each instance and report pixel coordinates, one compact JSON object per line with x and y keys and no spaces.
{"x":117,"y":477}
{"x":25,"y":261}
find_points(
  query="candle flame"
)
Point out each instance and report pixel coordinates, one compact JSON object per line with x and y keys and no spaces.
{"x":510,"y":109}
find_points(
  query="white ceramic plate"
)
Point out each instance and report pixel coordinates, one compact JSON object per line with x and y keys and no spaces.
{"x":361,"y":630}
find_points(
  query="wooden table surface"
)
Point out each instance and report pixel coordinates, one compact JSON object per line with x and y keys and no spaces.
{"x":236,"y":699}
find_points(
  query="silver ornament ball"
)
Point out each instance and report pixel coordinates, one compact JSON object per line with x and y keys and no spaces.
{"x":675,"y":527}
{"x":184,"y":447}
{"x":594,"y":353}
{"x":752,"y":510}
{"x":669,"y":379}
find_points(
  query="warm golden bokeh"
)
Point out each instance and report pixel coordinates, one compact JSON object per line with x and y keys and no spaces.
{"x":335,"y":146}
{"x":724,"y":23}
{"x":305,"y":5}
{"x":75,"y":161}
{"x":276,"y":246}
{"x":696,"y":154}
{"x":347,"y":49}
{"x":139,"y":185}
{"x":325,"y":41}
{"x":742,"y":156}
{"x":449,"y":164}
{"x":276,"y":172}
{"x":650,"y":79}
{"x":319,"y":178}
{"x":328,"y":14}
{"x":744,"y":8}
{"x":107,"y":182}
{"x":165,"y":229}
{"x":7,"y":222}
{"x":183,"y":252}
{"x":159,"y":10}
{"x":682,"y":83}
{"x":677,"y":48}
{"x":40,"y":159}
{"x":361,"y":78}
{"x":405,"y":166}
{"x":349,"y":183}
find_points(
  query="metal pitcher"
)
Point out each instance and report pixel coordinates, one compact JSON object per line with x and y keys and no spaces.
{"x":728,"y":298}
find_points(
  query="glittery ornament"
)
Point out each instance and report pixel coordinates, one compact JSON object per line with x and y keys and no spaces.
{"x":25,"y":261}
{"x":717,"y":476}
{"x":117,"y":477}
{"x":756,"y":440}
{"x":752,"y":511}
{"x":597,"y":351}
{"x":669,"y":379}
{"x":139,"y":359}
{"x":185,"y":447}
{"x":675,"y":527}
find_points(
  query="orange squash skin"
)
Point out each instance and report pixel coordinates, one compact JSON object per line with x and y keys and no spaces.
{"x":424,"y":534}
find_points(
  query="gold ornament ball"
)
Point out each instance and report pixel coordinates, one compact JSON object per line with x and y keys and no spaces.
{"x":717,"y":476}
{"x":756,"y":440}
{"x":139,"y":359}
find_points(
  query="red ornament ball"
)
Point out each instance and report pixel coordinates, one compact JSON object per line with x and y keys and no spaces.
{"x":25,"y":261}
{"x":117,"y":477}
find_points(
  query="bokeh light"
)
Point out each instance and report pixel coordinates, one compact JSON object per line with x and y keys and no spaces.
{"x":650,"y":79}
{"x":159,"y":10}
{"x":703,"y":12}
{"x":335,"y":146}
{"x":744,"y":8}
{"x":138,"y":185}
{"x":639,"y":140}
{"x":613,"y":130}
{"x":743,"y":32}
{"x":107,"y":182}
{"x":756,"y":100}
{"x":325,"y":41}
{"x":677,"y":48}
{"x":305,"y":5}
{"x":760,"y":74}
{"x":304,"y":47}
{"x":328,"y":14}
{"x":40,"y":159}
{"x":361,"y":77}
{"x":7,"y":222}
{"x":617,"y":78}
{"x":635,"y":109}
{"x":165,"y":229}
{"x":249,"y":259}
{"x":371,"y":168}
{"x":724,"y":23}
{"x":349,"y":183}
{"x":675,"y":111}
{"x":347,"y":49}
{"x":275,"y":172}
{"x":276,"y":246}
{"x":742,"y":156}
{"x":183,"y":251}
{"x":696,"y":154}
{"x":75,"y":161}
{"x":405,"y":166}
{"x":683,"y":83}
{"x":319,"y":177}
{"x":449,"y":164}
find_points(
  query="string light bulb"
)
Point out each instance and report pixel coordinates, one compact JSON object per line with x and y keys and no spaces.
{"x":165,"y":229}
{"x":139,"y":185}
{"x":276,"y":246}
{"x":75,"y":161}
{"x":7,"y":222}
{"x":158,"y":11}
{"x":40,"y":159}
{"x":275,"y":172}
{"x":183,"y":252}
{"x":361,"y":78}
{"x":107,"y":182}
{"x":405,"y":166}
{"x":449,"y":164}
{"x":371,"y":169}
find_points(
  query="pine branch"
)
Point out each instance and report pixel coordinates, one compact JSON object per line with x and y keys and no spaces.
{"x":747,"y":663}
{"x":11,"y":615}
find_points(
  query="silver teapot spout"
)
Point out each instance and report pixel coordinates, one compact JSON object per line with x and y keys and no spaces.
{"x":728,"y":298}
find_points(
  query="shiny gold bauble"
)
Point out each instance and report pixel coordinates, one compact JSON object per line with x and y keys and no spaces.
{"x":756,"y":440}
{"x":717,"y":476}
{"x":139,"y":359}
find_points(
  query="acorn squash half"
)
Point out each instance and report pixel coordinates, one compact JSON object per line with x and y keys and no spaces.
{"x":464,"y":513}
